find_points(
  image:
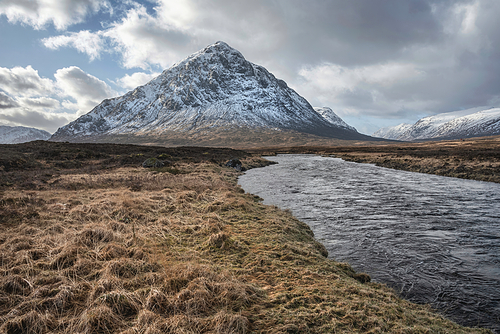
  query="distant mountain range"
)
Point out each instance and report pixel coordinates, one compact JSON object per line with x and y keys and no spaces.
{"x":453,"y":125}
{"x":21,"y":134}
{"x":215,"y":90}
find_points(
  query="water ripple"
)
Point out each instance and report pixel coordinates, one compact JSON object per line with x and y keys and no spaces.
{"x":433,"y":239}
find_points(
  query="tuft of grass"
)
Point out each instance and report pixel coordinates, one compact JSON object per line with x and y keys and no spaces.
{"x":32,"y":322}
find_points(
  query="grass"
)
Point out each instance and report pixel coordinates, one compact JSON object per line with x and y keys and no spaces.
{"x":113,"y":247}
{"x":472,"y":158}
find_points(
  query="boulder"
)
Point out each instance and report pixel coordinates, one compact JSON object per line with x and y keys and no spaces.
{"x":152,"y":163}
{"x":235,"y":163}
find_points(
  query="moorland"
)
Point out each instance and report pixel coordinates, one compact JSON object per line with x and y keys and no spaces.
{"x":471,"y":158}
{"x":93,"y":242}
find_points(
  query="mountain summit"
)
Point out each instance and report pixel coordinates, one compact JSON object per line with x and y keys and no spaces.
{"x":213,"y":89}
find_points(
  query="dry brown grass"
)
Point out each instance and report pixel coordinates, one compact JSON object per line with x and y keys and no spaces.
{"x":131,"y":250}
{"x":472,"y":158}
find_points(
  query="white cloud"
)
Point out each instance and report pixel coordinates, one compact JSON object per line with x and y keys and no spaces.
{"x":366,"y":88}
{"x":377,"y":58}
{"x":20,"y":81}
{"x":48,"y":121}
{"x":27,"y":99}
{"x":39,"y":103}
{"x":143,"y":39}
{"x":7,"y":102}
{"x":336,"y":77}
{"x":136,"y":79}
{"x":175,"y":29}
{"x":86,"y":89}
{"x":39,"y":13}
{"x":84,"y":41}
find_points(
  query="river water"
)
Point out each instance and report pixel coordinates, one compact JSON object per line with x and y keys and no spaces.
{"x":434,"y":239}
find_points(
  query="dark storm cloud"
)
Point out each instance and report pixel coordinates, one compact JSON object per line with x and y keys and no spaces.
{"x":359,"y":32}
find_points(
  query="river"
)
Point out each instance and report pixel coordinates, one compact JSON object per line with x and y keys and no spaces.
{"x":434,"y":239}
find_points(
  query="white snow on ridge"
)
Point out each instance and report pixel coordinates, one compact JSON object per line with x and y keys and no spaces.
{"x":21,"y":134}
{"x":330,"y":116}
{"x":454,"y":125}
{"x":214,"y":87}
{"x":392,"y":132}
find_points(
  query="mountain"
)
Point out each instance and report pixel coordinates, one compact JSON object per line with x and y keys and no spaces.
{"x":392,"y":132}
{"x":454,"y":125}
{"x":213,"y":90}
{"x":332,"y":118}
{"x":21,"y":134}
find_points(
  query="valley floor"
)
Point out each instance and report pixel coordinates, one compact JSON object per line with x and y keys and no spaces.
{"x":472,"y":158}
{"x":91,"y":242}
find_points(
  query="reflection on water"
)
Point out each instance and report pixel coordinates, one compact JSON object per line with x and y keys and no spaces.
{"x":434,"y":239}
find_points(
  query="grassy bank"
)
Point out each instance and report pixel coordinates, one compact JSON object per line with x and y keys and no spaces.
{"x":91,"y":242}
{"x":473,"y":158}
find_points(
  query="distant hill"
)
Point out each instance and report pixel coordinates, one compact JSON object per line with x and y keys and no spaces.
{"x":212,"y":93}
{"x":21,"y":134}
{"x":454,"y":125}
{"x":332,"y":118}
{"x":393,"y":132}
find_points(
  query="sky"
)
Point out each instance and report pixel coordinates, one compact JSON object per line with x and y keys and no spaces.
{"x":376,"y":63}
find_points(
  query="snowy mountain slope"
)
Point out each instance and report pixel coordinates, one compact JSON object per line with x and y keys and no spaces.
{"x":21,"y":134}
{"x":332,"y":117}
{"x":454,"y":125}
{"x":392,"y":132}
{"x":482,"y":123}
{"x":212,"y":89}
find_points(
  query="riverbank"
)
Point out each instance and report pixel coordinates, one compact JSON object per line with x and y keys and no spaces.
{"x":472,"y":158}
{"x":93,"y":242}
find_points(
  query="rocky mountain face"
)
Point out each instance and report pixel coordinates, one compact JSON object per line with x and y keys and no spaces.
{"x":392,"y":132}
{"x":452,"y":125}
{"x":21,"y":134}
{"x":332,"y":118}
{"x":215,"y":88}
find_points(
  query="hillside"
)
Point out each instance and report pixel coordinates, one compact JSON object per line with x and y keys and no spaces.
{"x":455,"y":125}
{"x":21,"y":134}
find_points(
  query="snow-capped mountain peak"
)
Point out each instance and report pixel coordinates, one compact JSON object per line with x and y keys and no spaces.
{"x":474,"y":122}
{"x":21,"y":134}
{"x":392,"y":132}
{"x":213,"y":88}
{"x":328,"y":114}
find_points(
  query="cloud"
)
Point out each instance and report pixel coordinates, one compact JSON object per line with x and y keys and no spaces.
{"x":29,"y":100}
{"x":39,"y":103}
{"x":6,"y":102}
{"x":379,"y":58}
{"x":282,"y":35}
{"x":84,"y":41}
{"x":370,"y":89}
{"x":86,"y":89}
{"x":61,"y":13}
{"x":25,"y":88}
{"x":20,"y":81}
{"x":41,"y":120}
{"x":160,"y":42}
{"x":136,"y":79}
